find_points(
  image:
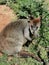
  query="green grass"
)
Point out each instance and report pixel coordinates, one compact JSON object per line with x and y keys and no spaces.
{"x":33,"y":47}
{"x":25,"y":61}
{"x":19,"y":61}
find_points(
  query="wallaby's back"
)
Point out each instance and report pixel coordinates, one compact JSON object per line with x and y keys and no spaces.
{"x":11,"y":38}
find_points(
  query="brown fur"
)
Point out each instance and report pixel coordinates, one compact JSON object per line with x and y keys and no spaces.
{"x":14,"y":36}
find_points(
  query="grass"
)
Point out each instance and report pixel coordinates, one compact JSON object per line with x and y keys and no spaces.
{"x":25,"y":61}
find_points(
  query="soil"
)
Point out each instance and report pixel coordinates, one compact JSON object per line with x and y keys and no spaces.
{"x":6,"y":16}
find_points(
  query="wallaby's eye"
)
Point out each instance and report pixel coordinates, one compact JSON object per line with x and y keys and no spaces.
{"x":32,"y":26}
{"x":36,"y":27}
{"x":28,"y":21}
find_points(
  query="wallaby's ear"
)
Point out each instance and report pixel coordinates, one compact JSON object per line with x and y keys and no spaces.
{"x":31,"y":17}
{"x":36,"y":20}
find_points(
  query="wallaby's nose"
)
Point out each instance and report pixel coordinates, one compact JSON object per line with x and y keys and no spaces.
{"x":33,"y":32}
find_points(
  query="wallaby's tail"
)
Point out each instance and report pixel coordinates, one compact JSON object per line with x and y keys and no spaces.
{"x":27,"y":54}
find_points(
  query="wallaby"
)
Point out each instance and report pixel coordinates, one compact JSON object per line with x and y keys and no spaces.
{"x":16,"y":34}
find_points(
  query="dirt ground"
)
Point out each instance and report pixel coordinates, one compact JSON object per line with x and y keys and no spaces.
{"x":6,"y":16}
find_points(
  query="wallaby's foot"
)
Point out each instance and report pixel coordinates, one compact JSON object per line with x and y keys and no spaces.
{"x":26,"y":54}
{"x":10,"y":58}
{"x":1,"y":54}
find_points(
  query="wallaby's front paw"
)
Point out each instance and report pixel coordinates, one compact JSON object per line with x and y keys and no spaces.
{"x":1,"y":54}
{"x":30,"y":39}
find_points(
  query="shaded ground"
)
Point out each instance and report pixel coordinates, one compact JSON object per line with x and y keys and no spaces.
{"x":6,"y":16}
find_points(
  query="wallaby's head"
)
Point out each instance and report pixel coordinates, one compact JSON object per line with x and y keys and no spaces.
{"x":34,"y":24}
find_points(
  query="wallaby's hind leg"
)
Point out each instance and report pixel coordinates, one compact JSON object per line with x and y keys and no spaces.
{"x":27,"y":54}
{"x":1,"y":54}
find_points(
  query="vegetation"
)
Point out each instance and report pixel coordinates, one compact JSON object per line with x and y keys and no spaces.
{"x":2,"y":1}
{"x":40,"y":46}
